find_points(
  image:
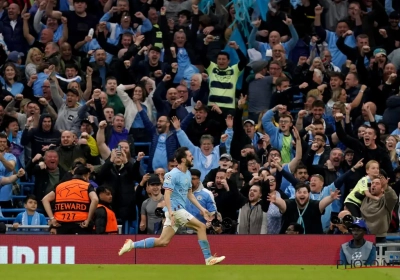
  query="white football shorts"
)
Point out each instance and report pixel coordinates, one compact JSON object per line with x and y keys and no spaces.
{"x":182,"y":217}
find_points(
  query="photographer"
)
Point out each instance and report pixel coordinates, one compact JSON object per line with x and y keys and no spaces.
{"x":227,"y":196}
{"x":341,"y":223}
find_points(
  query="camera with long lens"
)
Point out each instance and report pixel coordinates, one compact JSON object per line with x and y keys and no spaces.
{"x":159,"y":212}
{"x":226,"y":223}
{"x":347,"y":220}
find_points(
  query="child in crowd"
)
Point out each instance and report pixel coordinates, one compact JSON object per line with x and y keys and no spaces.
{"x":361,"y":190}
{"x":30,"y":217}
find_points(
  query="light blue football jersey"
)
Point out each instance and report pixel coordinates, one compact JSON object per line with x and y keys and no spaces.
{"x":179,"y":183}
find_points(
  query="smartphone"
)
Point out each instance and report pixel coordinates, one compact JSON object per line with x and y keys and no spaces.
{"x":119,"y":150}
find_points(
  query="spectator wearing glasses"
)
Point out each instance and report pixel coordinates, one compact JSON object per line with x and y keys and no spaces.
{"x":281,"y":138}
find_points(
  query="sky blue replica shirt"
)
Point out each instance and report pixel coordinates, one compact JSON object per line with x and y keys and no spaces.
{"x":179,"y":183}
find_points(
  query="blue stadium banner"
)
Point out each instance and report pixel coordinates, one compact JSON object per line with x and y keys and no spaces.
{"x":263,"y":8}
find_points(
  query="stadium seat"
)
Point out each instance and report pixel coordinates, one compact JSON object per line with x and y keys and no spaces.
{"x":144,"y":163}
{"x":132,"y":227}
{"x":12,"y":210}
{"x":141,"y":144}
{"x":26,"y":187}
{"x":7,"y":220}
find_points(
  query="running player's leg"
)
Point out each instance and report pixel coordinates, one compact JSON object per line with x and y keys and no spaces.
{"x":203,"y":242}
{"x":151,"y":242}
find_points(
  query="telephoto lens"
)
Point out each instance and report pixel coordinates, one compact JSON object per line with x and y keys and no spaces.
{"x":228,"y":223}
{"x":348,"y":220}
{"x":159,"y":212}
{"x":335,"y":220}
{"x":215,"y":222}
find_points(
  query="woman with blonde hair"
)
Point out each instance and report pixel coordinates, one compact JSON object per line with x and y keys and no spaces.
{"x":338,"y":95}
{"x":341,"y":95}
{"x":33,"y":59}
{"x":390,"y":143}
{"x":316,"y":93}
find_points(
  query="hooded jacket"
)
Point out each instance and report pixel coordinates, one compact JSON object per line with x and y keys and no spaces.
{"x":66,"y":115}
{"x":38,"y":138}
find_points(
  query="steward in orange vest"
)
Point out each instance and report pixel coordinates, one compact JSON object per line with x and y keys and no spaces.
{"x":74,"y":204}
{"x":104,"y":218}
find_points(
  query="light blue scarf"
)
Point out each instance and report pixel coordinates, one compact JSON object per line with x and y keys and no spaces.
{"x":35,"y":219}
{"x":300,"y":219}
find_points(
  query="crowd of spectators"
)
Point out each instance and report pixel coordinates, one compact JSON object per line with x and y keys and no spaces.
{"x":292,"y":117}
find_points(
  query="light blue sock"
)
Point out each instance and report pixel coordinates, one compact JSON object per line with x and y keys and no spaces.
{"x":145,"y":243}
{"x":205,"y":248}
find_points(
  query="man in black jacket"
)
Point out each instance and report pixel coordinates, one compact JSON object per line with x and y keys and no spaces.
{"x":227,"y":196}
{"x":152,"y":68}
{"x":47,"y":173}
{"x":199,"y":123}
{"x":42,"y":137}
{"x":368,"y":149}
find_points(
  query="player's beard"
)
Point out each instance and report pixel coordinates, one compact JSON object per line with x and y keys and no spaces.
{"x":189,"y":164}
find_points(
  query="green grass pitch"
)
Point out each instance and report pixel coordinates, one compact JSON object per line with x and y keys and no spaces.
{"x":189,"y":272}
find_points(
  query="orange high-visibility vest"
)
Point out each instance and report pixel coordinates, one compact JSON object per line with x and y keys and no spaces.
{"x":72,"y":201}
{"x":112,"y":225}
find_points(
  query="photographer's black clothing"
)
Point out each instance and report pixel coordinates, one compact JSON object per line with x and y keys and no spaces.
{"x":311,"y":216}
{"x":120,"y":179}
{"x":335,"y":230}
{"x":229,"y":202}
{"x":210,"y":177}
